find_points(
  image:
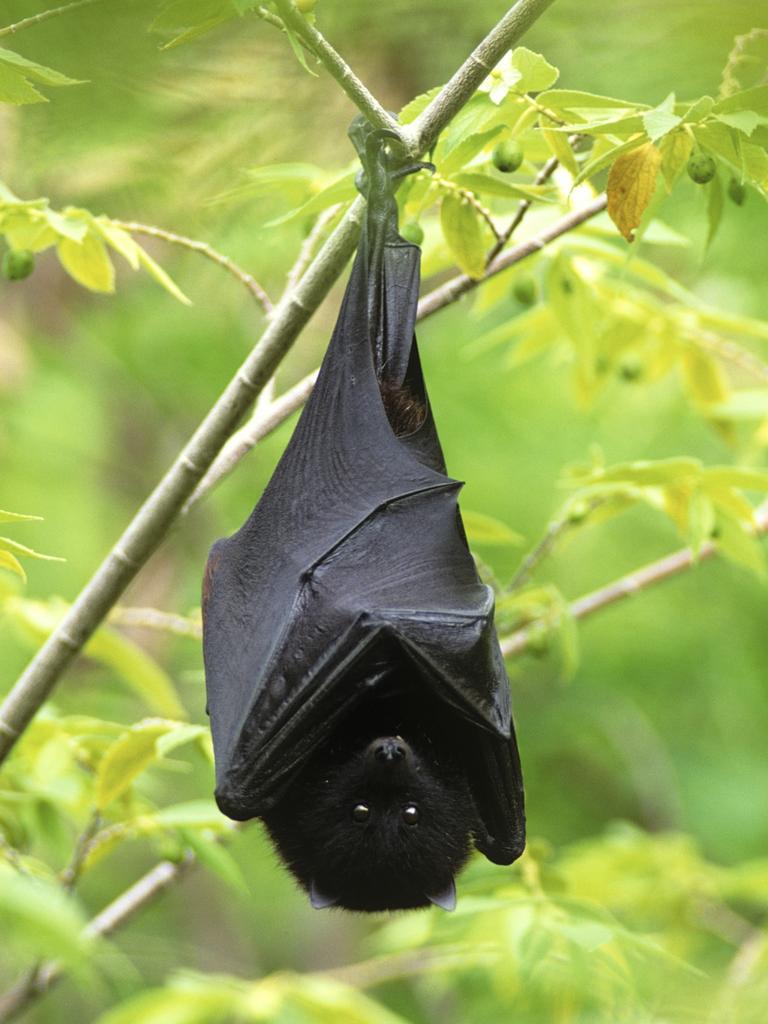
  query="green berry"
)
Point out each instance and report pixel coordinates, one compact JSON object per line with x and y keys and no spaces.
{"x":412,"y":232}
{"x":18,"y":264}
{"x":539,"y":640}
{"x":524,"y":290}
{"x":701,"y":168}
{"x":306,"y":6}
{"x":736,"y":192}
{"x":578,"y":512}
{"x":631,"y":367}
{"x":507,"y":156}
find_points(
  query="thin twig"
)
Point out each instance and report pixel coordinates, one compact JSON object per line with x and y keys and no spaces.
{"x":524,"y":206}
{"x":154,"y":618}
{"x":161,"y":509}
{"x":71,"y":873}
{"x":307,"y":250}
{"x":262,"y":422}
{"x":250,"y":282}
{"x":459,"y":285}
{"x":36,"y":19}
{"x":551,"y":535}
{"x":37,"y":982}
{"x":337,"y":67}
{"x":423,"y":132}
{"x":632,"y":583}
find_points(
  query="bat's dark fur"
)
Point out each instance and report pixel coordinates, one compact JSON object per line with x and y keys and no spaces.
{"x":405,"y":411}
{"x":381,"y":758}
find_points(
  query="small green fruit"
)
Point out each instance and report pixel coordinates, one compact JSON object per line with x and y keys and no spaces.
{"x":306,"y":6}
{"x":701,"y":168}
{"x":525,"y":291}
{"x":578,"y":512}
{"x":18,"y":264}
{"x":507,"y":156}
{"x":631,"y":368}
{"x":412,"y":232}
{"x":539,"y":640}
{"x":736,"y":192}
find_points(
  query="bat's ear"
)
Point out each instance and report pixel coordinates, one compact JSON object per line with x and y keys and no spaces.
{"x":446,"y":898}
{"x":320,"y":900}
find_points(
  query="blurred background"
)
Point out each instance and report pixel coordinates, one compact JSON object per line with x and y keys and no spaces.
{"x":664,"y":723}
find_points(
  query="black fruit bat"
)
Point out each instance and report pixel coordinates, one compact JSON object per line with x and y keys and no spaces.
{"x":357,"y":693}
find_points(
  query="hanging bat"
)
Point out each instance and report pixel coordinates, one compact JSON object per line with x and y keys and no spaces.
{"x":358,"y":698}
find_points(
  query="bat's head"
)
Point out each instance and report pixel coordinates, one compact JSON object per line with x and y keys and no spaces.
{"x":376,"y":824}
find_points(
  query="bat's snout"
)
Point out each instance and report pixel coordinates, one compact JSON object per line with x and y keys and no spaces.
{"x":390,"y":751}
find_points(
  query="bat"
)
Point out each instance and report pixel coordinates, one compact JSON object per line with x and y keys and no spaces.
{"x":357,"y":694}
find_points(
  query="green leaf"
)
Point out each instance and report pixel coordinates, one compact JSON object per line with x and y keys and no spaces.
{"x":662,"y":119}
{"x":736,"y":476}
{"x":163,"y":279}
{"x":217,"y":859}
{"x":339,"y":191}
{"x":12,"y":564}
{"x":298,"y":49}
{"x":649,"y":474}
{"x":120,"y":241}
{"x":739,"y":544}
{"x":747,"y":62}
{"x":14,"y":88}
{"x":746,"y":404}
{"x":417,"y":105}
{"x":192,"y":814}
{"x":704,"y":377}
{"x":675,"y":150}
{"x":466,"y":150}
{"x":17,"y":517}
{"x":41,"y":921}
{"x":128,"y":756}
{"x":38,"y":619}
{"x":485,"y":529}
{"x":17,"y":73}
{"x":560,"y":148}
{"x":492,"y":185}
{"x":584,"y":103}
{"x":88,"y":263}
{"x":534,"y":72}
{"x":463,"y":232}
{"x":701,"y":520}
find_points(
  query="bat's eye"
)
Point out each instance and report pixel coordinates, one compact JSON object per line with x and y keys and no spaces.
{"x":410,"y":814}
{"x":361,"y":813}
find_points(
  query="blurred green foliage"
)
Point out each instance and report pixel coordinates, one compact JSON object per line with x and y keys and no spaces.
{"x":617,"y":392}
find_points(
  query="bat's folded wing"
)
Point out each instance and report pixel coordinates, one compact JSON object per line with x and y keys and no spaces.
{"x":291,"y":653}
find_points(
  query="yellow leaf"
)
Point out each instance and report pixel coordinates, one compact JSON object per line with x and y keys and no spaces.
{"x":128,"y":756}
{"x":631,"y":184}
{"x":88,"y":263}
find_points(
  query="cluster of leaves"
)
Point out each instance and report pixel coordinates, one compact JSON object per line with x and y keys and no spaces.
{"x":82,"y":241}
{"x":627,"y":927}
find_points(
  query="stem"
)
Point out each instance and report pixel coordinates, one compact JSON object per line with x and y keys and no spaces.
{"x":337,"y":67}
{"x":205,"y":249}
{"x":424,"y":131}
{"x":632,"y":583}
{"x":35,"y":19}
{"x":43,"y":977}
{"x":153,"y":520}
{"x":263,"y":422}
{"x":459,"y":285}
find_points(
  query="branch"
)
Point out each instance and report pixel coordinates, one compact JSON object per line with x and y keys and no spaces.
{"x":41,"y":978}
{"x":459,"y":285}
{"x":423,"y":132}
{"x":337,"y":67}
{"x":35,"y":19}
{"x":153,"y":520}
{"x":205,"y":249}
{"x":631,"y":584}
{"x":263,"y":422}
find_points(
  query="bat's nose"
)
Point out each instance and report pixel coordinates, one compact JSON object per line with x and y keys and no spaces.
{"x":389,"y":750}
